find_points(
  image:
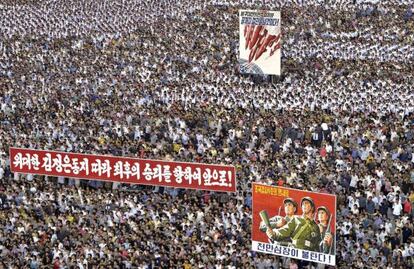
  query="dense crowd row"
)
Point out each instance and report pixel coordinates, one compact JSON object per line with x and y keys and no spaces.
{"x":159,"y":79}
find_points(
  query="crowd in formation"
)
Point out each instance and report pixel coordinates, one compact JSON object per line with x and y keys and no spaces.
{"x":159,"y":79}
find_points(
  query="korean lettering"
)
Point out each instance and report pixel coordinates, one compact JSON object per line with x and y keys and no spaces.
{"x":321,"y":257}
{"x":277,"y":249}
{"x":101,"y":167}
{"x":219,"y":178}
{"x":215,"y":175}
{"x":313,"y":256}
{"x":75,"y":166}
{"x":207,"y":177}
{"x":223,"y":178}
{"x":127,"y":169}
{"x":119,"y":169}
{"x":279,"y":192}
{"x":286,"y":251}
{"x":66,"y":164}
{"x":261,"y":246}
{"x":35,"y":161}
{"x":57,"y":163}
{"x":18,"y":161}
{"x":31,"y":161}
{"x":135,"y":171}
{"x":157,"y":172}
{"x":124,"y":169}
{"x":167,"y":173}
{"x":269,"y":248}
{"x":84,"y":166}
{"x":282,"y":192}
{"x":197,"y":175}
{"x":329,"y":259}
{"x":188,"y":175}
{"x":162,"y":172}
{"x":294,"y":252}
{"x":47,"y":162}
{"x":67,"y":167}
{"x":258,"y":189}
{"x":178,"y":174}
{"x":305,"y":255}
{"x":148,"y":174}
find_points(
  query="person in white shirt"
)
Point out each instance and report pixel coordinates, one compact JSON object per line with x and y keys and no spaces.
{"x":397,"y":208}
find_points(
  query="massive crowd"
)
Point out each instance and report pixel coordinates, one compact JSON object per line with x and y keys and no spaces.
{"x":159,"y":79}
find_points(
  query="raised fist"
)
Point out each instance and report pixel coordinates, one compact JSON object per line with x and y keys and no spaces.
{"x":281,"y":223}
{"x":328,"y":239}
{"x":270,"y":233}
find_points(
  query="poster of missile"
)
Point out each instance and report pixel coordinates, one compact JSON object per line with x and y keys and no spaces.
{"x":259,"y":39}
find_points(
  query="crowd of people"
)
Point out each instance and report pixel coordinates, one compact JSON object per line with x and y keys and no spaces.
{"x":159,"y":79}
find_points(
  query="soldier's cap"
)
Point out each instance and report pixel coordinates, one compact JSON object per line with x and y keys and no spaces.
{"x":310,"y":200}
{"x":324,"y":209}
{"x":290,"y":200}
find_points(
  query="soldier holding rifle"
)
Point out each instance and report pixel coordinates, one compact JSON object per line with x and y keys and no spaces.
{"x":301,"y":230}
{"x":324,"y":219}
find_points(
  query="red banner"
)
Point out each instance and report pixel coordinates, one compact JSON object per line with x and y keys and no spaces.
{"x":294,"y":223}
{"x":124,"y":170}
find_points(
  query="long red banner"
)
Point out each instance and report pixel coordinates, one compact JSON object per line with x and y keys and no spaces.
{"x":124,"y":170}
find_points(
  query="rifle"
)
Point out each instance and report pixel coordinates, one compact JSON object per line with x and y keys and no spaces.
{"x":326,"y":249}
{"x":265,"y":218}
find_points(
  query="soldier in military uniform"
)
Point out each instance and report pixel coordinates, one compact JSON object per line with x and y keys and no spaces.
{"x":302,"y":230}
{"x":326,"y":243}
{"x":290,"y":207}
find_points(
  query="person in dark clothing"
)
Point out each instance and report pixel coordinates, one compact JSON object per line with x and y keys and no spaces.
{"x":370,"y":206}
{"x":407,"y":232}
{"x":395,"y":240}
{"x":383,"y":209}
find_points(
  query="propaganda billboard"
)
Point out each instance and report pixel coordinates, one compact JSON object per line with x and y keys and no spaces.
{"x":259,"y":42}
{"x":294,"y":223}
{"x":124,"y":170}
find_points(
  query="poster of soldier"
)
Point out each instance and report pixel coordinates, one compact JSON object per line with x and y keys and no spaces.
{"x":294,"y":223}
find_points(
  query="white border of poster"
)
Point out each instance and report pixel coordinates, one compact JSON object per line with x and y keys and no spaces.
{"x":260,"y":42}
{"x":272,"y":199}
{"x":291,"y":252}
